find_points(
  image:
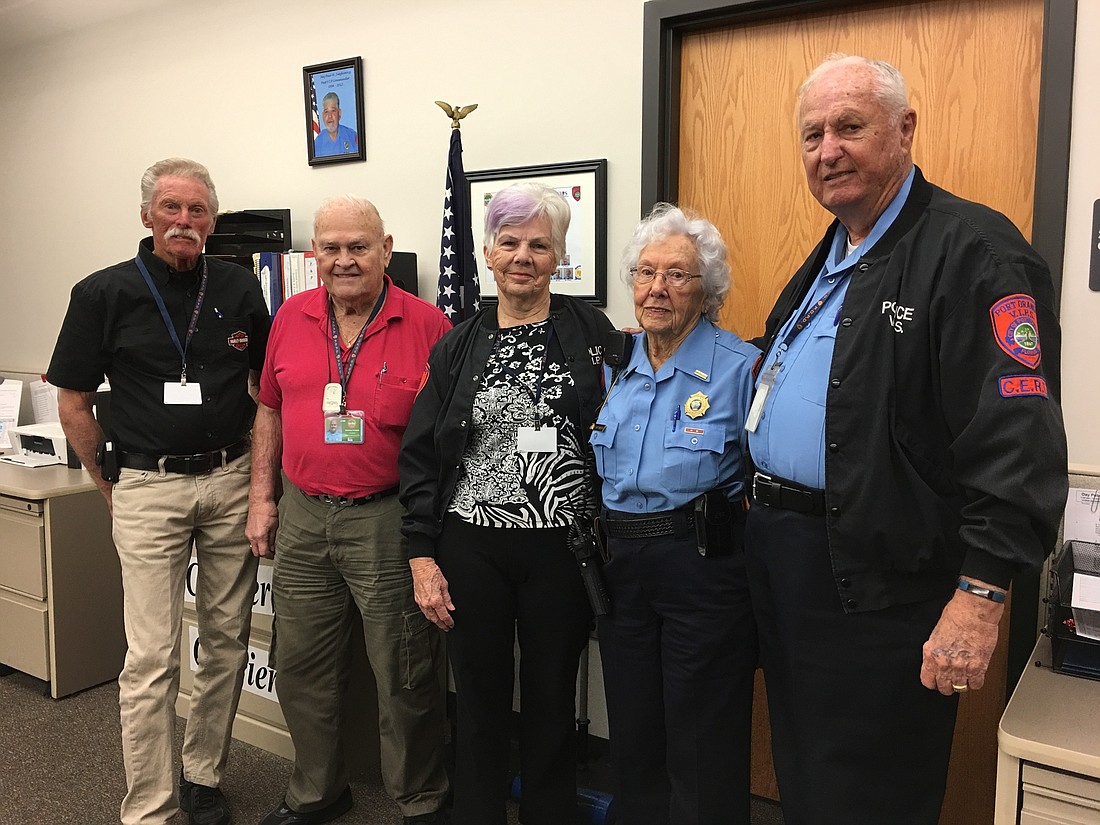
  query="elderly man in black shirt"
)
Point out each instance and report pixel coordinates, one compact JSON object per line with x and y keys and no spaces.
{"x":181,"y":339}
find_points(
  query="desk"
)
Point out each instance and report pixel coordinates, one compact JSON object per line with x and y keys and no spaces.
{"x":60,"y":581}
{"x":1048,"y":759}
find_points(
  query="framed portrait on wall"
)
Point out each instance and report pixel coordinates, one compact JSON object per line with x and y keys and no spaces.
{"x":582,"y":271}
{"x":334,"y":111}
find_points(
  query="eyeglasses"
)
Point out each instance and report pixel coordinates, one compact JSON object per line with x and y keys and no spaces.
{"x":673,"y":277}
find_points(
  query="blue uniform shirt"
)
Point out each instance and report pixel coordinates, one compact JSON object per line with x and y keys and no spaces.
{"x":346,"y":142}
{"x":790,"y":439}
{"x":662,"y":439}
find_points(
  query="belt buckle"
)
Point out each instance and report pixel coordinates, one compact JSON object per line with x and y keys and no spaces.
{"x":200,"y":463}
{"x":756,"y":478}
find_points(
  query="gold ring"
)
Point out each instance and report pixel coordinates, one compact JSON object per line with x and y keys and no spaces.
{"x":960,"y":688}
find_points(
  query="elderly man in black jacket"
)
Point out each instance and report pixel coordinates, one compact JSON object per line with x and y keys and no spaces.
{"x":911,"y":460}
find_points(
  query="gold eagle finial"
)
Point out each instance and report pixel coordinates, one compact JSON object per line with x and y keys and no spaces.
{"x":455,"y":113}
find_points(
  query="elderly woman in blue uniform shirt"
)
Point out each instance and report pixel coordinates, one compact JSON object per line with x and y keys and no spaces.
{"x":679,"y":644}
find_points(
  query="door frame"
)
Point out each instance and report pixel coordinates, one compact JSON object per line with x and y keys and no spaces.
{"x":665,"y":23}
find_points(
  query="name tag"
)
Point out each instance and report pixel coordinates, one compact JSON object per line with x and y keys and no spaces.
{"x":767,"y":381}
{"x":540,"y":440}
{"x":177,"y":393}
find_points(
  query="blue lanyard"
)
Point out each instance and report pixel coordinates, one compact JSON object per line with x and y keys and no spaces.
{"x":345,"y":374}
{"x":807,"y":316}
{"x":191,"y":326}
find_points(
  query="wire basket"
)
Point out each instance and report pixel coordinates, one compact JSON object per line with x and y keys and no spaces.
{"x":1073,"y":652}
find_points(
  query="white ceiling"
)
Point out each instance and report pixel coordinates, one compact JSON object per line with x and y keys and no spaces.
{"x":28,"y":21}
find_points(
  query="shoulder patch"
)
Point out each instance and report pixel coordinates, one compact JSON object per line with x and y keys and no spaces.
{"x":1014,"y":386}
{"x":1016,"y":328}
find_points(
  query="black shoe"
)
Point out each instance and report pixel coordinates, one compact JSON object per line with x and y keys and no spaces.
{"x":204,"y":805}
{"x":285,"y":815}
{"x":437,"y":818}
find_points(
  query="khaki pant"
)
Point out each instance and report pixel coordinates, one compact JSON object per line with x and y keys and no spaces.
{"x":157,"y":518}
{"x":325,"y":556}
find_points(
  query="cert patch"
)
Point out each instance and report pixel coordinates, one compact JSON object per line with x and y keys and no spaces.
{"x":1016,"y":328}
{"x":1013,"y":386}
{"x":239,"y":340}
{"x":696,"y":405}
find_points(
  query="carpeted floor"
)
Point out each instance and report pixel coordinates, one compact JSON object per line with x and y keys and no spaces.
{"x":61,"y":764}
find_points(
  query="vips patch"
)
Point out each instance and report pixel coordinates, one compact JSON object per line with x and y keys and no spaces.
{"x":238,"y":340}
{"x":1016,"y":328}
{"x":1014,"y":386}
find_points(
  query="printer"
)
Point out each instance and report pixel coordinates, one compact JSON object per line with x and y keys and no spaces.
{"x":37,"y":445}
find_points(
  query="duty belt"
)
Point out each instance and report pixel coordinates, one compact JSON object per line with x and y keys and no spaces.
{"x":622,"y":526}
{"x":787,"y":495}
{"x":190,"y":465}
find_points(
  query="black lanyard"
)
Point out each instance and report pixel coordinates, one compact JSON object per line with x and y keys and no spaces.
{"x":345,"y":374}
{"x":535,"y":395}
{"x":194,"y":323}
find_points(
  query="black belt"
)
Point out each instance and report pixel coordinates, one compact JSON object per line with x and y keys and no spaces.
{"x":622,"y":526}
{"x":344,"y":501}
{"x":189,"y":465}
{"x":787,"y":495}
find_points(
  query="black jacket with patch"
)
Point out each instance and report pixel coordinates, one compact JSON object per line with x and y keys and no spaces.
{"x":945,"y":452}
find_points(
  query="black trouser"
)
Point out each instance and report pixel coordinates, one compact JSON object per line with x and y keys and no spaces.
{"x":856,"y":738}
{"x":505,"y":582}
{"x":679,"y":655}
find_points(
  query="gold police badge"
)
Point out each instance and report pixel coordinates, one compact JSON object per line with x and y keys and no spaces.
{"x":696,"y":405}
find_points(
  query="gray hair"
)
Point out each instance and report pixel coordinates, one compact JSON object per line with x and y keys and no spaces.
{"x":522,"y":202}
{"x":889,"y":85}
{"x":176,"y":168}
{"x":367,"y":210}
{"x":669,"y":221}
{"x":331,"y":96}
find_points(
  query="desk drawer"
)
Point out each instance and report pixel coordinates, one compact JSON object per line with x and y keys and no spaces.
{"x":23,"y":553}
{"x":24,"y":635}
{"x":1057,"y":797}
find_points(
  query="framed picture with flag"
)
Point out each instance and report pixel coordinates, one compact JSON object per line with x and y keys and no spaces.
{"x":582,"y":271}
{"x":334,"y":111}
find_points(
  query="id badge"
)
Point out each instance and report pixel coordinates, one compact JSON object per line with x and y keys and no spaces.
{"x":177,"y":393}
{"x":767,"y":381}
{"x":537,"y":440}
{"x":344,"y":429}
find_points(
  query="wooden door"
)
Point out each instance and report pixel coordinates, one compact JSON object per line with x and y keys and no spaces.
{"x":973,"y":69}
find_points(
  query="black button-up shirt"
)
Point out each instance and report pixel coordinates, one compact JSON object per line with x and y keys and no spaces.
{"x":114,"y":329}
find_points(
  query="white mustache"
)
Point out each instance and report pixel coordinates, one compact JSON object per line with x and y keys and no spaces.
{"x":182,"y":232}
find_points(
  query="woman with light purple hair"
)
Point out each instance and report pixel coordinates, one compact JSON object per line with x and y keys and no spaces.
{"x":494,"y":471}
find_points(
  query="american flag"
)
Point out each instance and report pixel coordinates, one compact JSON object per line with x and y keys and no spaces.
{"x":459,"y":294}
{"x":313,"y":108}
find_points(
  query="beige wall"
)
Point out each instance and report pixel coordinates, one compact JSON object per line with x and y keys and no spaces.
{"x":83,"y":115}
{"x":1080,"y":306}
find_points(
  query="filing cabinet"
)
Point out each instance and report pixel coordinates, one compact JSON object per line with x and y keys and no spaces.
{"x":60,"y":582}
{"x":1048,"y":761}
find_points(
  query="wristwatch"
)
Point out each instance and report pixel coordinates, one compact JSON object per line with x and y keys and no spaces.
{"x":984,"y":592}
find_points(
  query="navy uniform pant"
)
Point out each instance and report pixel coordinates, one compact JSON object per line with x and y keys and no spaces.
{"x":856,"y":737}
{"x":679,"y":654}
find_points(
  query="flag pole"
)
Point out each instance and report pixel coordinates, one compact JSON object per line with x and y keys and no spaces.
{"x":459,"y":293}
